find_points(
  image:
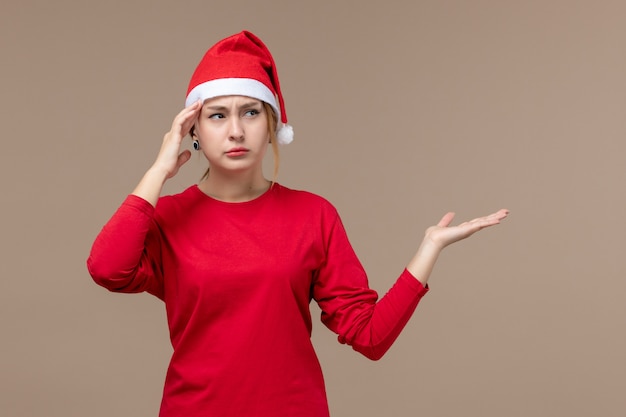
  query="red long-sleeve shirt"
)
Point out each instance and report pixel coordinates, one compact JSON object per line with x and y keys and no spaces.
{"x":237,"y":280}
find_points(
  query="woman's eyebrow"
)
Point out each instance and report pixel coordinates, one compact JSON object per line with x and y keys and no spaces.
{"x":218,"y":107}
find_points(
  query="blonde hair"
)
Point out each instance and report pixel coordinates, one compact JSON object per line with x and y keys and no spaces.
{"x":272,"y":124}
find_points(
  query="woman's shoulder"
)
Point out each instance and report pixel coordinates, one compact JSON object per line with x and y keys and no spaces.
{"x":298,"y":195}
{"x":174,"y":203}
{"x":302,"y":200}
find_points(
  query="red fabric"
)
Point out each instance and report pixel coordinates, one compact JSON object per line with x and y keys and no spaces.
{"x":242,"y":55}
{"x":237,"y":280}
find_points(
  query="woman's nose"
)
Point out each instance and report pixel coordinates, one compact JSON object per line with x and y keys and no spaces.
{"x":236,"y":129}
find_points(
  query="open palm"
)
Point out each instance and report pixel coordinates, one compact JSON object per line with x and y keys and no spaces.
{"x":443,"y":234}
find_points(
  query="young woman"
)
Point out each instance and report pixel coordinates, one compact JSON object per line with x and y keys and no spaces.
{"x":238,"y":258}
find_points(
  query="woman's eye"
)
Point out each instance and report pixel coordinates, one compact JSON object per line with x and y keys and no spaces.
{"x":252,"y":112}
{"x":216,"y":116}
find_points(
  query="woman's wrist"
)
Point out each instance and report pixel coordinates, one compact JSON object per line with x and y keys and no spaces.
{"x":422,"y":264}
{"x":156,"y":173}
{"x":150,"y":186}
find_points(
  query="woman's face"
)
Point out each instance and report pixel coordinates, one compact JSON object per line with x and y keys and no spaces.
{"x":233,"y":133}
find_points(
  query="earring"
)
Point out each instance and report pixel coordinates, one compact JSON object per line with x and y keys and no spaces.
{"x":196,"y":144}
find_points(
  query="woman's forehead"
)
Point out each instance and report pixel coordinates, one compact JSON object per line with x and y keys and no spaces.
{"x":230,"y":100}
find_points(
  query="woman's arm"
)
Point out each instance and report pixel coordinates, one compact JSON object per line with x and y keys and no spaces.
{"x":352,"y":310}
{"x":125,"y":255}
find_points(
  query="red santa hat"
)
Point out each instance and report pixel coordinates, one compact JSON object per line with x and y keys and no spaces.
{"x":240,"y":65}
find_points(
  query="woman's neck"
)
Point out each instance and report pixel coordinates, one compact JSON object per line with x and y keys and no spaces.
{"x":234,"y":188}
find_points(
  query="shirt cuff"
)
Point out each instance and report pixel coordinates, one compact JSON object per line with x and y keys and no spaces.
{"x":414,"y":283}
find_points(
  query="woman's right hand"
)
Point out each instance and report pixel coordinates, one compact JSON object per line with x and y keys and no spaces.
{"x":170,"y":159}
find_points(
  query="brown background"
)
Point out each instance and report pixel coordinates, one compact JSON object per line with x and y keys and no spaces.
{"x":402,"y":111}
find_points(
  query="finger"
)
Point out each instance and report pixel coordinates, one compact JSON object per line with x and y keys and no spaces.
{"x":192,"y":108}
{"x":499,"y":215}
{"x":502,"y":213}
{"x":183,"y":158}
{"x":481,"y":222}
{"x":490,"y":220}
{"x":495,"y":218}
{"x":187,"y":114}
{"x":446,"y":220}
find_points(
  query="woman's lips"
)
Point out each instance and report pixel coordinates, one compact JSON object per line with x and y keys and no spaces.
{"x":237,"y":152}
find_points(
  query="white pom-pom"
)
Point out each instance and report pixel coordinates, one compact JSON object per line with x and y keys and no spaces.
{"x":285,"y":135}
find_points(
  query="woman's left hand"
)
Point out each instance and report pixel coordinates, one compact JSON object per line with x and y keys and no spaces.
{"x":438,"y":237}
{"x":443,"y":234}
